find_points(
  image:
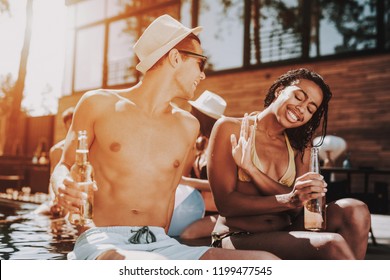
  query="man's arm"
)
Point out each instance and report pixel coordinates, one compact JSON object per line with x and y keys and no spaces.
{"x":68,"y":195}
{"x":55,"y":154}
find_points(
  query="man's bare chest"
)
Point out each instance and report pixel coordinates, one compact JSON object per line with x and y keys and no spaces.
{"x":141,"y":141}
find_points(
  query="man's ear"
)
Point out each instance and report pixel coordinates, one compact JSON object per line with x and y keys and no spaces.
{"x":174,"y":57}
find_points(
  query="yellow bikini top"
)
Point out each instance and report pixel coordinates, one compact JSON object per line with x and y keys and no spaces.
{"x":289,"y":176}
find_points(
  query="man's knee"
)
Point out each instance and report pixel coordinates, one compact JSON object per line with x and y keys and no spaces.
{"x":110,"y":255}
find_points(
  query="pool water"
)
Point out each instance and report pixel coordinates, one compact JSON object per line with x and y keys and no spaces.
{"x":28,"y":236}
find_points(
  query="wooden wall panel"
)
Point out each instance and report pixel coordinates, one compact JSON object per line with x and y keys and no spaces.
{"x":39,"y":130}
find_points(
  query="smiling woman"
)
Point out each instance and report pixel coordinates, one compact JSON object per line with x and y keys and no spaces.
{"x":46,"y":55}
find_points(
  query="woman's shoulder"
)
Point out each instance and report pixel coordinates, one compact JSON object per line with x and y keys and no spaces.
{"x":228,"y":122}
{"x":226,"y":126}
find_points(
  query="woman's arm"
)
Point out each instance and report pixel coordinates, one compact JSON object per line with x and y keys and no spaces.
{"x":222,"y":172}
{"x":223,"y":178}
{"x":242,"y":154}
{"x":266,"y":185}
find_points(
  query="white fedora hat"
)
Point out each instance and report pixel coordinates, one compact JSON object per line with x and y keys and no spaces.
{"x":158,"y":39}
{"x":210,"y":104}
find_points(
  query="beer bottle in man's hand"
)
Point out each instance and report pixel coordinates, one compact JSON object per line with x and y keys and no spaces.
{"x":82,"y":173}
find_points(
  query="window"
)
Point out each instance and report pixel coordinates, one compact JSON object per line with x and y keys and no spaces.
{"x":68,"y":66}
{"x":185,"y":12}
{"x":151,"y":15}
{"x":89,"y":11}
{"x":275,"y":31}
{"x":387,"y":24}
{"x":121,"y":59}
{"x":343,"y":26}
{"x":223,"y":38}
{"x":89,"y":58}
{"x":116,"y":7}
{"x":69,"y":52}
{"x":237,"y":33}
{"x":92,"y":17}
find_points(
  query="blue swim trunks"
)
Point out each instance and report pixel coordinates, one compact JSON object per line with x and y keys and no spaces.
{"x":95,"y":241}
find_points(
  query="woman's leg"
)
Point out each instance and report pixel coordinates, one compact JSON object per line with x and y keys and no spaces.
{"x":200,"y":228}
{"x":224,"y":254}
{"x":294,"y":245}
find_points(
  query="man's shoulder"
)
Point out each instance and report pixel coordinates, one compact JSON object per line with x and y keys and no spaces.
{"x":99,"y":93}
{"x":179,"y":112}
{"x":98,"y":98}
{"x":186,"y":119}
{"x":184,"y":115}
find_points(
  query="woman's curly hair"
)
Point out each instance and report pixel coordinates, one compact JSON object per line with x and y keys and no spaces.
{"x":300,"y":137}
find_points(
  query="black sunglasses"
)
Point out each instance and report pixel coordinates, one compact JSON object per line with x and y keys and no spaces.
{"x":202,"y":61}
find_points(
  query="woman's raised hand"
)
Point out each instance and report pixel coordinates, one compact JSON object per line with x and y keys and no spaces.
{"x":241,"y":149}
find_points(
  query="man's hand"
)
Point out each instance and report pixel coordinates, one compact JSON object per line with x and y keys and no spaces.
{"x":70,"y":197}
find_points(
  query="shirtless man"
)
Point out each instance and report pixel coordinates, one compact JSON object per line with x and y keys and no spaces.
{"x":137,"y":164}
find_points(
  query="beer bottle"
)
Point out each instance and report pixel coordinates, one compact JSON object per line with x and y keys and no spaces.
{"x":314,"y":209}
{"x":82,"y":173}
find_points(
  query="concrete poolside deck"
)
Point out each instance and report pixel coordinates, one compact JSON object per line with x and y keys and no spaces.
{"x":381,"y":228}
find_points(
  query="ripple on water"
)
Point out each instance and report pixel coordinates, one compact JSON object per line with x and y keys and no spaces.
{"x":34,"y":237}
